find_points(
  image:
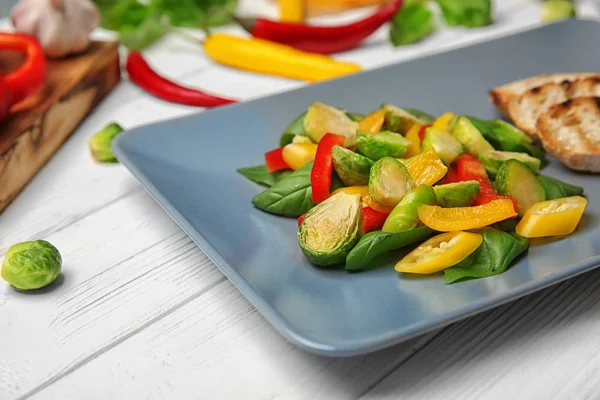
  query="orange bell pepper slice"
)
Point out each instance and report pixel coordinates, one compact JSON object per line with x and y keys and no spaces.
{"x":372,"y":122}
{"x":426,"y":168}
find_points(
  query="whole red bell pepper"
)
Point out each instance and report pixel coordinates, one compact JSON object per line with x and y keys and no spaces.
{"x":320,"y":175}
{"x":27,"y":79}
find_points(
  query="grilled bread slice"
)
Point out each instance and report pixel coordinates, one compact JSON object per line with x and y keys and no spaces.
{"x":570,"y":131}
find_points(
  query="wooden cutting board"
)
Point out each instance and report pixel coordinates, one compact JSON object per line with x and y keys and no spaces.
{"x":42,"y":123}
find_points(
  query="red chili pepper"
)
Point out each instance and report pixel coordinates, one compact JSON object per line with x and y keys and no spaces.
{"x":422,"y":132}
{"x":28,"y":78}
{"x":301,"y":219}
{"x":372,"y":219}
{"x":320,"y":39}
{"x":274,"y":160}
{"x":320,"y":175}
{"x":142,"y":75}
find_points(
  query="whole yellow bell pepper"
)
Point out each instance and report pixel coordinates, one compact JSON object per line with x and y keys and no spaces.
{"x":426,"y":168}
{"x":466,"y":218}
{"x":444,"y":120}
{"x":298,"y":154}
{"x":552,"y":218}
{"x":372,"y":122}
{"x":415,"y":142}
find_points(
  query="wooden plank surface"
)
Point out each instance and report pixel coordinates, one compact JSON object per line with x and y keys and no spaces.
{"x":142,"y":313}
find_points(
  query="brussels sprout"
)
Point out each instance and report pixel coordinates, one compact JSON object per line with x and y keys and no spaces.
{"x":331,"y":229}
{"x":352,"y":168}
{"x":100,"y":143}
{"x":493,"y":160}
{"x":446,"y":145}
{"x":470,"y":137}
{"x":517,"y":180}
{"x":458,"y":194}
{"x":421,"y":115}
{"x":556,"y":10}
{"x":389,"y":182}
{"x":556,"y":189}
{"x":321,"y":119}
{"x":405,"y":216}
{"x":382,"y":144}
{"x":299,"y":139}
{"x":398,"y":120}
{"x":31,"y":265}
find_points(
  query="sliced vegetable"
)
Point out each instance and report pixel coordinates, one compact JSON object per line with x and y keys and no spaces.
{"x":469,"y":13}
{"x":320,"y":176}
{"x":446,"y":145}
{"x":384,"y":144}
{"x":492,"y":257}
{"x":556,"y":10}
{"x":389,"y":182}
{"x":552,"y":217}
{"x":372,"y":219}
{"x":466,"y":218}
{"x":290,"y":197}
{"x":445,"y":122}
{"x":415,"y":141}
{"x":399,"y":120}
{"x":274,"y":160}
{"x":515,"y":179}
{"x":321,"y":119}
{"x":458,"y":194}
{"x":352,"y":168}
{"x":331,"y":229}
{"x":493,"y":160}
{"x":470,"y":137}
{"x":362,"y":190}
{"x":295,"y":128}
{"x":373,"y":122}
{"x":422,"y":132}
{"x":100,"y":143}
{"x":405,"y":216}
{"x":259,"y":174}
{"x":301,"y":139}
{"x":426,"y":168}
{"x":412,"y":23}
{"x":555,"y":189}
{"x":440,"y":252}
{"x":376,"y":243}
{"x":420,"y":115}
{"x":376,"y":206}
{"x":297,"y":154}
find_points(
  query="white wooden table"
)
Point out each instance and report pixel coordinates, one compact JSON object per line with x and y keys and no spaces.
{"x":141,"y":313}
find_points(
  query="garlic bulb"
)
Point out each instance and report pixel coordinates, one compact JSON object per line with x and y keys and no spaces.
{"x":63,"y":27}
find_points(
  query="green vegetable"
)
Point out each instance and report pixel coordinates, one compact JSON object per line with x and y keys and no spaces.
{"x":382,"y":144}
{"x":556,"y":10}
{"x":352,"y":168}
{"x":469,"y":13}
{"x":331,"y":229}
{"x":493,"y":160}
{"x":470,"y":137}
{"x":404,"y":216}
{"x":446,"y":145}
{"x":31,"y":265}
{"x":291,"y":196}
{"x":492,"y":257}
{"x":389,"y":182}
{"x":262,"y":176}
{"x":411,"y":24}
{"x":508,"y":225}
{"x":376,"y":243}
{"x":100,"y":143}
{"x":421,"y":115}
{"x":295,"y":128}
{"x":301,"y":139}
{"x":354,"y":116}
{"x":458,"y":194}
{"x":321,"y":119}
{"x":399,"y":120}
{"x":517,"y":180}
{"x":555,"y":189}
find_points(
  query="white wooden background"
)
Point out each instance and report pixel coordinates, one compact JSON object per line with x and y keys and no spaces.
{"x":141,"y":313}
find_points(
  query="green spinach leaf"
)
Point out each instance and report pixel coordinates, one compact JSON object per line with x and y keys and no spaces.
{"x":422,"y":115}
{"x":260,"y":175}
{"x":296,"y":127}
{"x":411,"y":24}
{"x":556,"y":189}
{"x":469,"y":13}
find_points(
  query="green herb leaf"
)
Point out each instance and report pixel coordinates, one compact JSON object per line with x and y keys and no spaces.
{"x":492,"y":257}
{"x":469,"y":13}
{"x":556,"y":189}
{"x":147,"y":33}
{"x":422,"y":115}
{"x":296,"y":127}
{"x":262,"y":176}
{"x":413,"y":22}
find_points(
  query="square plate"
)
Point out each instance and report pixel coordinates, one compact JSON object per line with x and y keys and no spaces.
{"x":189,"y":166}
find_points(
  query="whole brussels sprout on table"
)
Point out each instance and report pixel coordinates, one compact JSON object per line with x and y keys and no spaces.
{"x":31,"y":265}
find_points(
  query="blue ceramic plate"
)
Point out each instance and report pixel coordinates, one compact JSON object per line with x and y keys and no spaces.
{"x":189,"y":166}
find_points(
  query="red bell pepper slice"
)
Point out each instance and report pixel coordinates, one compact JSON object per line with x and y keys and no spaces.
{"x":372,"y":220}
{"x":301,"y":219}
{"x":422,"y":131}
{"x":320,"y":175}
{"x":451,"y":176}
{"x":274,"y":160}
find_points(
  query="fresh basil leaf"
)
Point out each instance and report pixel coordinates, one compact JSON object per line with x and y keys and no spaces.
{"x":290,"y":197}
{"x":508,"y":225}
{"x":122,"y":14}
{"x":296,"y":127}
{"x":492,"y":257}
{"x":354,"y":116}
{"x":423,"y":116}
{"x":144,"y":35}
{"x":469,"y":13}
{"x":412,"y":23}
{"x":556,"y":189}
{"x":259,"y":174}
{"x":376,"y":243}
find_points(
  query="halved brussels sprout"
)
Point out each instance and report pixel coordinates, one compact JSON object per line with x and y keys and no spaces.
{"x":458,"y":194}
{"x":100,"y":143}
{"x":493,"y":160}
{"x":382,"y":144}
{"x":352,"y":168}
{"x":517,"y":180}
{"x":398,"y":120}
{"x":405,"y":216}
{"x":446,"y":145}
{"x":31,"y":265}
{"x":331,"y":229}
{"x":389,"y":182}
{"x":470,"y":137}
{"x":321,"y":119}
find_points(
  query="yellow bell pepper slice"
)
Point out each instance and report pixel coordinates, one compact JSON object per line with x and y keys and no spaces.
{"x":372,"y":122}
{"x":292,"y":10}
{"x":415,"y":142}
{"x":298,"y":154}
{"x":426,"y":168}
{"x":440,"y":252}
{"x":466,"y":218}
{"x":552,"y":218}
{"x":443,"y":121}
{"x":362,"y":190}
